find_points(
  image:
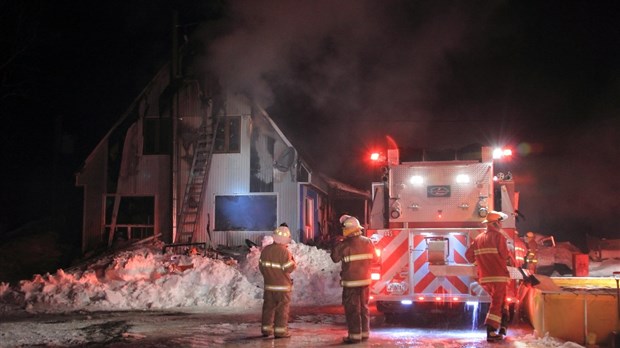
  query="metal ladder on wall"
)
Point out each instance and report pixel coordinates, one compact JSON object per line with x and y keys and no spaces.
{"x":197,"y":180}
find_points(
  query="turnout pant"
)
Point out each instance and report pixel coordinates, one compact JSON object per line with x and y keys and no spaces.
{"x":355,"y":302}
{"x":498,"y":315}
{"x":275,"y":312}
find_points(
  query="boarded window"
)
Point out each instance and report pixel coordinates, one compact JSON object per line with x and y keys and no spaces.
{"x":257,"y":212}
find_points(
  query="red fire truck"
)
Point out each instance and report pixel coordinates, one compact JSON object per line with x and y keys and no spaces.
{"x":424,"y":216}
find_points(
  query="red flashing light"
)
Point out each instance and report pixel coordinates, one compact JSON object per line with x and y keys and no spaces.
{"x":500,"y":153}
{"x":375,"y":156}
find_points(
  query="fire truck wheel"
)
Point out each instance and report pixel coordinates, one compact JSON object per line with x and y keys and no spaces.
{"x":390,"y":318}
{"x":391,"y":307}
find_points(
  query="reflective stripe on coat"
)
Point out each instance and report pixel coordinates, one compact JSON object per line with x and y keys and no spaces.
{"x":276,"y":264}
{"x":357,"y":254}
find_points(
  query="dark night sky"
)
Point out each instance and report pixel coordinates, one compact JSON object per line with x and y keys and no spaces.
{"x":537,"y":75}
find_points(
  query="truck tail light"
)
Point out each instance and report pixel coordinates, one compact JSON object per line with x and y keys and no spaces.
{"x":378,"y":252}
{"x":375,"y":272}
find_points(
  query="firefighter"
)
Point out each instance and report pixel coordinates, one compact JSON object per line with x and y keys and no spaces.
{"x":489,"y":251}
{"x":276,"y":264}
{"x":520,"y":250}
{"x":532,"y":248}
{"x":357,"y":254}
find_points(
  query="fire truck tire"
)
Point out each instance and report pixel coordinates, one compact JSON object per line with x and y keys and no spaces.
{"x":390,"y":318}
{"x":388,"y":307}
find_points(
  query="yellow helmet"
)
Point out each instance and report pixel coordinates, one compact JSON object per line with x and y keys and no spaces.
{"x":351,"y":226}
{"x":343,"y":218}
{"x":494,"y":216}
{"x":282,"y":235}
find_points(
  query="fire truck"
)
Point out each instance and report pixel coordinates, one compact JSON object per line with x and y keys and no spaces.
{"x":423,"y":217}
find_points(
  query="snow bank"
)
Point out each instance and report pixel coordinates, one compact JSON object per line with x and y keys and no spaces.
{"x":146,"y":279}
{"x":604,"y":268}
{"x":316,"y":281}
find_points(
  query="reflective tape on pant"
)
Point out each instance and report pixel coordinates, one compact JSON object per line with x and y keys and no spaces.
{"x":283,"y":288}
{"x":496,"y":279}
{"x":355,"y":283}
{"x":355,"y":336}
{"x":494,"y":318}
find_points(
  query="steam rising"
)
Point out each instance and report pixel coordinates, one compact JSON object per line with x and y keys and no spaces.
{"x":338,"y":76}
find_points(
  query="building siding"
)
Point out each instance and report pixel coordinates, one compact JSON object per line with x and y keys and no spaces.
{"x":229,"y":173}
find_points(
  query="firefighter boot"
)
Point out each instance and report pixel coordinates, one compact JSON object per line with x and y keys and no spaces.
{"x":493,"y":336}
{"x":266,"y":333}
{"x":350,"y":340}
{"x":503,"y":327}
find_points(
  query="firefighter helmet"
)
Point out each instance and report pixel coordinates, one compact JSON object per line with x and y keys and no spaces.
{"x":494,"y":216}
{"x":282,"y":235}
{"x":351,"y":226}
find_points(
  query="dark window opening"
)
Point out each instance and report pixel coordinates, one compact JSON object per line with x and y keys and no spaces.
{"x":227,"y":135}
{"x":157,"y":134}
{"x":135,"y":218}
{"x":303,"y":175}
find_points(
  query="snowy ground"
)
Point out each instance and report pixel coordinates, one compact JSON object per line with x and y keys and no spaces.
{"x":122,"y":298}
{"x":234,"y":327}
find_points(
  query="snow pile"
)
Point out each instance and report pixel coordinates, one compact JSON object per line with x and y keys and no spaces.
{"x":547,"y":341}
{"x":605,"y":268}
{"x":316,"y":280}
{"x":146,"y":279}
